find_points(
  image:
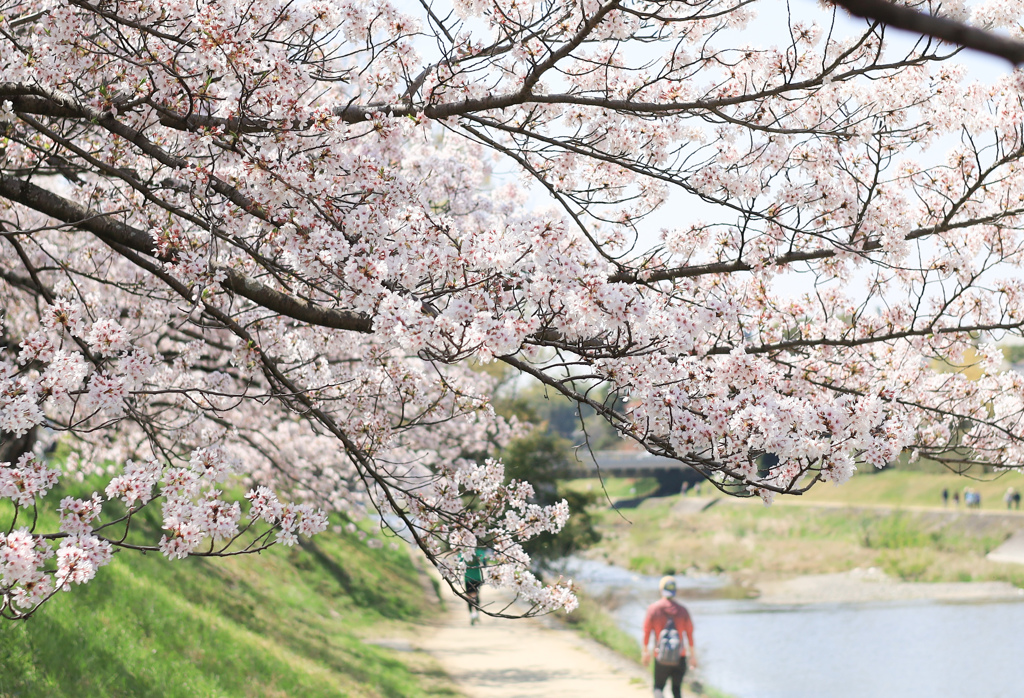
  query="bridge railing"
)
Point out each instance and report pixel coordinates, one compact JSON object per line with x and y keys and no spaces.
{"x":623,"y":464}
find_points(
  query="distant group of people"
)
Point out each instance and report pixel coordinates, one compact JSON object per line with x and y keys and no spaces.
{"x":972,"y":498}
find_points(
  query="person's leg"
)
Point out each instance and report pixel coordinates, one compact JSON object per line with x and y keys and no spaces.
{"x":473,"y":597}
{"x":678,"y":672}
{"x":661,"y":676}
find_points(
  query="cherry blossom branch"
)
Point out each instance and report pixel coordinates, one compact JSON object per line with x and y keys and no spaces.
{"x":272,"y":243}
{"x":108,"y":229}
{"x":936,"y":26}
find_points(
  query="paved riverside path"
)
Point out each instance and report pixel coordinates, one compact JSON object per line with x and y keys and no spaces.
{"x":1010,"y":551}
{"x":526,"y":658}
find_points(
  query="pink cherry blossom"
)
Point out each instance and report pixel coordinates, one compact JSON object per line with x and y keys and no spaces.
{"x":294,"y":249}
{"x":28,"y":479}
{"x":77,"y":515}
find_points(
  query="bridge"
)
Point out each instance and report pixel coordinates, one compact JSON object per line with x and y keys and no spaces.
{"x":670,"y":474}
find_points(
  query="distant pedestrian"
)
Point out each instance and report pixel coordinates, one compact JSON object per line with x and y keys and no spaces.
{"x":956,"y":499}
{"x":669,"y":625}
{"x":1008,"y":497}
{"x":474,"y":579}
{"x":945,"y":496}
{"x":1016,"y":501}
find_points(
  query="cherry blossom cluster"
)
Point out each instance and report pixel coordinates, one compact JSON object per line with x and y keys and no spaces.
{"x":501,"y":520}
{"x":281,"y":248}
{"x":193,"y":514}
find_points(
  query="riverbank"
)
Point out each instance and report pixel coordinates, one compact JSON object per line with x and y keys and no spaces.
{"x":793,"y":601}
{"x":757,"y":546}
{"x":872,"y":585}
{"x":909,"y":489}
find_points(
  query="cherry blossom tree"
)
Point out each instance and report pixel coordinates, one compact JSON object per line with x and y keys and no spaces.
{"x":269,"y":247}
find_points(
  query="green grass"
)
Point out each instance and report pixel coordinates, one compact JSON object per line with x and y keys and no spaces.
{"x":887,"y":487}
{"x":750,"y":542}
{"x":894,"y":487}
{"x":592,"y":620}
{"x":616,"y":487}
{"x":288,"y":622}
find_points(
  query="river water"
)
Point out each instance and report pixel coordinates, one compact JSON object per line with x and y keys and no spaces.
{"x":919,"y":649}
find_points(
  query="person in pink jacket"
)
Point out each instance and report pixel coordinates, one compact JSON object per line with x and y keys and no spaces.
{"x":659,"y":615}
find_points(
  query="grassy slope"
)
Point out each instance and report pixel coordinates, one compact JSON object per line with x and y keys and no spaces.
{"x":890,"y":487}
{"x":593,"y":621}
{"x":903,"y":488}
{"x":289,"y":622}
{"x":750,"y":541}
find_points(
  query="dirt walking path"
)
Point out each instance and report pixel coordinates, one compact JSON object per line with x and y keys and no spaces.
{"x":531,"y":658}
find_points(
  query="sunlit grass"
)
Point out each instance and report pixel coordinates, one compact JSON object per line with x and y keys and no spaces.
{"x":749,"y":541}
{"x":616,"y":487}
{"x":594,"y":622}
{"x":902,"y":488}
{"x":288,"y":622}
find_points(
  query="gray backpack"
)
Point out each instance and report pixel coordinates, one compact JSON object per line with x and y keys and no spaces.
{"x":669,"y":642}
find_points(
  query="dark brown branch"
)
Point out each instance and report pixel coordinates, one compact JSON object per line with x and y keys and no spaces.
{"x":941,"y":28}
{"x":110,"y":230}
{"x":733,"y":266}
